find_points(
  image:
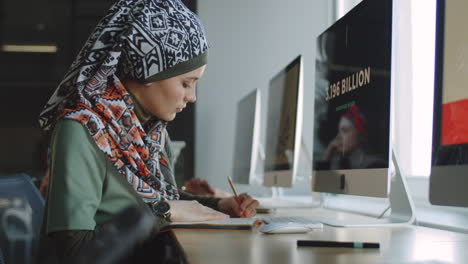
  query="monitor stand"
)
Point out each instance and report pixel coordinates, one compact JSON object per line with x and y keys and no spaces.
{"x":278,"y":199}
{"x":401,"y":206}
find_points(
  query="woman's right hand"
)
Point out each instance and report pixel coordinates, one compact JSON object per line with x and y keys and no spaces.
{"x":189,"y":211}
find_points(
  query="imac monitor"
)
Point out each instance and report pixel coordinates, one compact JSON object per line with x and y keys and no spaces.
{"x":247,"y":136}
{"x":283,"y":126}
{"x":351,"y":140}
{"x":449,"y":172}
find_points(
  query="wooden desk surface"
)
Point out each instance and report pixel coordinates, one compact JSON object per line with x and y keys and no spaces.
{"x":406,"y":244}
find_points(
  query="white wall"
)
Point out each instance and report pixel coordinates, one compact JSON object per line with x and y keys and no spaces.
{"x":341,"y":7}
{"x":251,"y":40}
{"x":402,"y":84}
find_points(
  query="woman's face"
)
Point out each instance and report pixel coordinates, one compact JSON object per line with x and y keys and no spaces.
{"x":348,"y":135}
{"x":165,"y":98}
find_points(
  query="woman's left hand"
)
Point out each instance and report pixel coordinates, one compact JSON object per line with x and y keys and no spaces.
{"x":247,"y":207}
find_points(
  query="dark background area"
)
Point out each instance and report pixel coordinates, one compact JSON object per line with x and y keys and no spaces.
{"x":28,"y":79}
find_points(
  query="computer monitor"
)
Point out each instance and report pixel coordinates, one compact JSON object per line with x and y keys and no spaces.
{"x":283,"y":126}
{"x":449,"y":172}
{"x":351,"y":140}
{"x":246,"y":145}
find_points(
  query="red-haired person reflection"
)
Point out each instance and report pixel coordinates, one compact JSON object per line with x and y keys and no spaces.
{"x":350,"y":148}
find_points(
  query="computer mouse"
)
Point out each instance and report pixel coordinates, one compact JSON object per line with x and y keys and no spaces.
{"x":284,"y":228}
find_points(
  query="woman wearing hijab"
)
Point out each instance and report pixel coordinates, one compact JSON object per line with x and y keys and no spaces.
{"x":109,"y":147}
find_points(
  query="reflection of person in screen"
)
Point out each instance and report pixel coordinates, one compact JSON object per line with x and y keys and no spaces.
{"x":349,"y":149}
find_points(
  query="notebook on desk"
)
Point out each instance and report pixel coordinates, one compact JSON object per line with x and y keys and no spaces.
{"x":247,"y":224}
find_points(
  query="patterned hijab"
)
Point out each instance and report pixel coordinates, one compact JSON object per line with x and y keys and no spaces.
{"x":146,"y":40}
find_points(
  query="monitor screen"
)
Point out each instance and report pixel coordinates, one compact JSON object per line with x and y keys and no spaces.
{"x":283,"y":128}
{"x":247,"y":135}
{"x":352,"y":102}
{"x":449,"y":173}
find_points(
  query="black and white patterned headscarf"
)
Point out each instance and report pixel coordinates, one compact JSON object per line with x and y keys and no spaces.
{"x":149,"y":40}
{"x":146,"y":40}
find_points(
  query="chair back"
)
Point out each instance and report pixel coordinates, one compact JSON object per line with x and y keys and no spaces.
{"x":21,"y":212}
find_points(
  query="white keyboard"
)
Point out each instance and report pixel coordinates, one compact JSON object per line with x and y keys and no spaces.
{"x":292,"y":219}
{"x":283,"y":203}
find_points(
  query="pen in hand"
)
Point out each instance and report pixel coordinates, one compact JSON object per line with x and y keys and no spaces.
{"x":235,"y":195}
